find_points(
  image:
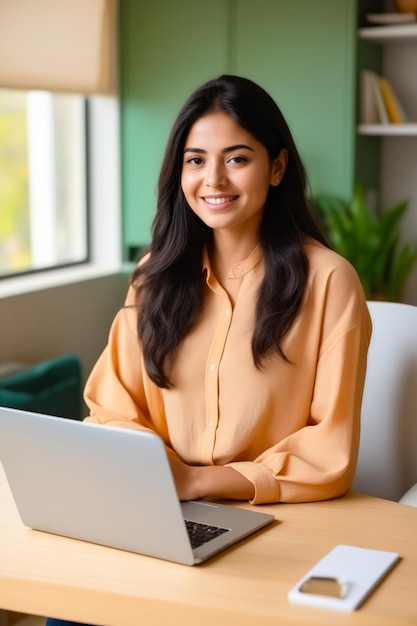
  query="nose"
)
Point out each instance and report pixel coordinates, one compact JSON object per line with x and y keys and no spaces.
{"x":215,"y":176}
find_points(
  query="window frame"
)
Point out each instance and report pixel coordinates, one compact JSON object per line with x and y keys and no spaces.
{"x":104,"y":219}
{"x":86,"y":193}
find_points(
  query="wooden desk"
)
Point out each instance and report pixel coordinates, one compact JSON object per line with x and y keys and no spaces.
{"x":47,"y":575}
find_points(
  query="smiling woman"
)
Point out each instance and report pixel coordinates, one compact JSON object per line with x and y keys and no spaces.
{"x":239,"y":319}
{"x":243,"y":340}
{"x":226,"y":177}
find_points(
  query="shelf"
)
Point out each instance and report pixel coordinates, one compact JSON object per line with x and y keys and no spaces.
{"x":402,"y":33}
{"x":388,"y":130}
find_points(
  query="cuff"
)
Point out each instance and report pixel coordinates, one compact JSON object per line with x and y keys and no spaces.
{"x":266,"y":486}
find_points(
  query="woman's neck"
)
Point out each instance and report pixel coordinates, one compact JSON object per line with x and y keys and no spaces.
{"x":227,"y":251}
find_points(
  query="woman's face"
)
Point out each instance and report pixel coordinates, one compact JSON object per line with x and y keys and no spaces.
{"x":226,"y":173}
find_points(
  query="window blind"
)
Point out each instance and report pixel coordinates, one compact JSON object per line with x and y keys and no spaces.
{"x":59,"y":45}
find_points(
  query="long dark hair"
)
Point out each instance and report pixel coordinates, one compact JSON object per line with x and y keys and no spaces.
{"x":169,"y":283}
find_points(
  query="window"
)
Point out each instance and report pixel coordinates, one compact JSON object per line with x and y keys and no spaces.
{"x":43,"y":181}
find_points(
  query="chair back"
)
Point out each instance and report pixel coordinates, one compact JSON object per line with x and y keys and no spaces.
{"x":387,"y":464}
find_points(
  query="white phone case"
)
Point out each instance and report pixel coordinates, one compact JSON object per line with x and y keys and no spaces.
{"x":355,"y":571}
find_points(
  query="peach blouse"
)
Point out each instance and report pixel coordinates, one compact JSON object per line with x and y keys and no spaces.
{"x":292,"y":428}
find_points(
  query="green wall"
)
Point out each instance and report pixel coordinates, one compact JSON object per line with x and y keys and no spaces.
{"x":301,"y":51}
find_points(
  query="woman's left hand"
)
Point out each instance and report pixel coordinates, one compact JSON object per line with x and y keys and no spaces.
{"x":215,"y":481}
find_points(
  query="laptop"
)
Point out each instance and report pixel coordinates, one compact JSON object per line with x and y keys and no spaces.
{"x":111,"y":486}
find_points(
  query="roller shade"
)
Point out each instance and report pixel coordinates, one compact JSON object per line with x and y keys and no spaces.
{"x":58,"y":45}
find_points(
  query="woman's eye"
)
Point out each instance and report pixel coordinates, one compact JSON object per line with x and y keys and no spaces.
{"x":237,"y":160}
{"x":195,"y":161}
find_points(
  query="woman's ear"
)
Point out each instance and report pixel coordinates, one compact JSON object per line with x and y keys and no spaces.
{"x":279,"y":167}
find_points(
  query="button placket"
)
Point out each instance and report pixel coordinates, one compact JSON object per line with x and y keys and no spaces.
{"x":212,"y":377}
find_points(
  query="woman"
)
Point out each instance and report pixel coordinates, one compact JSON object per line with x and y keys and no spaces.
{"x":243,"y":340}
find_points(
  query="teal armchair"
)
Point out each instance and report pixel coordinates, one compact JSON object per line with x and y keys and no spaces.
{"x":53,"y":387}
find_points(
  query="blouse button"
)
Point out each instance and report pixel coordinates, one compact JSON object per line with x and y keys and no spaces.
{"x":211,"y":424}
{"x":213,"y":367}
{"x":227,"y":311}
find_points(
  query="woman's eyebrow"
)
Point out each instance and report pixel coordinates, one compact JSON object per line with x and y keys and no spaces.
{"x":239,"y":146}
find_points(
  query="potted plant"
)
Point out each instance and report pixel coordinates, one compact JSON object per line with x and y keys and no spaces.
{"x":370,"y":242}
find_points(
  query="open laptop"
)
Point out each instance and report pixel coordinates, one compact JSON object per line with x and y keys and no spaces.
{"x":111,"y":486}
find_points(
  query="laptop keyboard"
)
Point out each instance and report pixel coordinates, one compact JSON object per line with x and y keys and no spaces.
{"x":201,"y":533}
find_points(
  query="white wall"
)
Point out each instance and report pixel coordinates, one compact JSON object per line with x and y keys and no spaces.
{"x":71,"y":318}
{"x":399,"y":153}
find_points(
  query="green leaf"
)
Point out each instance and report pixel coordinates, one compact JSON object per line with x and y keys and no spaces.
{"x":371,"y":243}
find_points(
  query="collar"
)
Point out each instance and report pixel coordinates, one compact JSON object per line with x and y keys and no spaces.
{"x":239,"y":269}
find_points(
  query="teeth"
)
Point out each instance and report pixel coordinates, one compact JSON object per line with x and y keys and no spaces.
{"x":219,"y":200}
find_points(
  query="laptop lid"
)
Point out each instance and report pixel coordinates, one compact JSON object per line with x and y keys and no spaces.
{"x":111,"y":486}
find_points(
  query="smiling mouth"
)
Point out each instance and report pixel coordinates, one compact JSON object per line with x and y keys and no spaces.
{"x":218,"y":200}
